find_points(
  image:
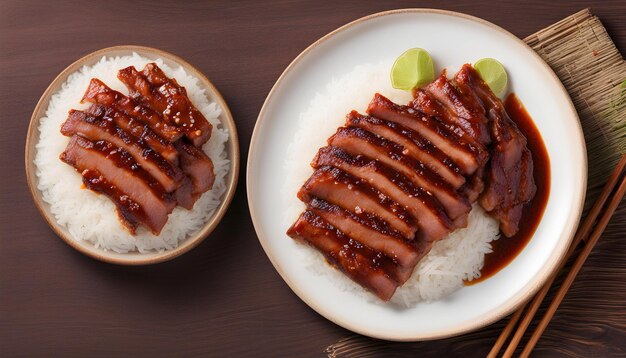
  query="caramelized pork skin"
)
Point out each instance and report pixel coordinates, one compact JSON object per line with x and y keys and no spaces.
{"x":199,"y":170}
{"x":432,"y":220}
{"x":460,"y":110}
{"x":433,"y":130}
{"x":136,"y":128}
{"x":99,"y":128}
{"x":130,"y":213}
{"x":509,"y":181}
{"x":197,"y":165}
{"x":414,"y":145}
{"x":185,"y":195}
{"x":130,"y":187}
{"x":368,"y":230}
{"x":424,"y":103}
{"x":372,"y":270}
{"x":99,"y":93}
{"x":165,"y":96}
{"x":359,"y":141}
{"x":340,"y":188}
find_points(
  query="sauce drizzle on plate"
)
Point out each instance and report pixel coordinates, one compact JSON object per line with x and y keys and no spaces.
{"x":506,"y":249}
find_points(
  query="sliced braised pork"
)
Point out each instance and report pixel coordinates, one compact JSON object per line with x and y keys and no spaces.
{"x":368,"y":268}
{"x":461,"y":153}
{"x":459,"y":110}
{"x":165,"y":96}
{"x":199,"y":168}
{"x":509,"y":181}
{"x":432,"y":219}
{"x":368,"y":230}
{"x":391,"y":183}
{"x":98,"y":128}
{"x":137,"y":128}
{"x":359,"y":141}
{"x":99,"y":93}
{"x":130,"y":187}
{"x":340,"y":188}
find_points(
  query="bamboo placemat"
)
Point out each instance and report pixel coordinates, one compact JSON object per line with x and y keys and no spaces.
{"x":584,"y":57}
{"x":581,"y":53}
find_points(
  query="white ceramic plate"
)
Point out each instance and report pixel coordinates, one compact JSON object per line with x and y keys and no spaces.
{"x":451,"y":38}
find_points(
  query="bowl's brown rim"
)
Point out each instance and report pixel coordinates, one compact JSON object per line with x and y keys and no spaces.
{"x":133,"y":258}
{"x":498,"y":312}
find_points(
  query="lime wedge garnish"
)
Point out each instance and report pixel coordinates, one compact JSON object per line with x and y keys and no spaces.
{"x":493,"y":73}
{"x":413,"y":68}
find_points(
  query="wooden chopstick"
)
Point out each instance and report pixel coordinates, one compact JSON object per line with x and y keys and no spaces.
{"x":581,"y":235}
{"x":578,"y":264}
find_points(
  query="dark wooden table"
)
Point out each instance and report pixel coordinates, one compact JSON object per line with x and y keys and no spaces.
{"x":224,"y":298}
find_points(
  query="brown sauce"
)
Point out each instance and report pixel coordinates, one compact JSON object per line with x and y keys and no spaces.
{"x":506,"y":249}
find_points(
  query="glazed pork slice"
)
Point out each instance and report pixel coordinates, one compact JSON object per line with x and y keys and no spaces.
{"x":359,"y":141}
{"x":507,"y":192}
{"x":509,"y":181}
{"x":199,"y":169}
{"x":426,"y":104}
{"x":185,"y":195}
{"x":461,"y":110}
{"x":165,"y":96}
{"x":414,"y":144}
{"x":430,"y":128}
{"x":136,"y":190}
{"x":375,"y":272}
{"x":130,"y":213}
{"x":474,"y":186}
{"x":98,"y":128}
{"x":136,"y":128}
{"x":340,"y":188}
{"x":433,"y":222}
{"x":368,"y":230}
{"x":99,"y":93}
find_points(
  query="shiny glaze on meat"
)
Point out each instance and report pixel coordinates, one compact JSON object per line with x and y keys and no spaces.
{"x":431,"y":217}
{"x":99,"y":93}
{"x":369,"y":268}
{"x":414,"y":145}
{"x":340,"y":188}
{"x":506,"y":249}
{"x":120,"y":170}
{"x":509,"y":181}
{"x":359,"y":141}
{"x":368,"y":230}
{"x":460,"y":111}
{"x":166,"y":97}
{"x":199,"y":170}
{"x":137,"y":128}
{"x":99,"y":128}
{"x":141,"y":152}
{"x":428,"y":127}
{"x":130,"y":212}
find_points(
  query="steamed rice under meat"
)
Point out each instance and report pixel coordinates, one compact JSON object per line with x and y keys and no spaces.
{"x":91,"y":217}
{"x":451,"y":261}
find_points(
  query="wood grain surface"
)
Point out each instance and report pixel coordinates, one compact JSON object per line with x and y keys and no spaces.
{"x":224,"y":298}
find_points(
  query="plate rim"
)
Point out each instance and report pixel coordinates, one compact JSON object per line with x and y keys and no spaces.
{"x":498,"y":312}
{"x":105,"y":256}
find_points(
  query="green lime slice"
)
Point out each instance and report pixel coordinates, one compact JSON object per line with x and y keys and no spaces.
{"x":413,"y":68}
{"x":493,"y":73}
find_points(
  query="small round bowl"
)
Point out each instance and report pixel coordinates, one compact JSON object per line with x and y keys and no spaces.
{"x":132,"y":258}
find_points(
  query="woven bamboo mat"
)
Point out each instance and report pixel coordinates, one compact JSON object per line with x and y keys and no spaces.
{"x":584,"y":57}
{"x":593,"y":71}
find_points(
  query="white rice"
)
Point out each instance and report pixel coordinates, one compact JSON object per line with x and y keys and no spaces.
{"x":453,"y":260}
{"x":92,"y":217}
